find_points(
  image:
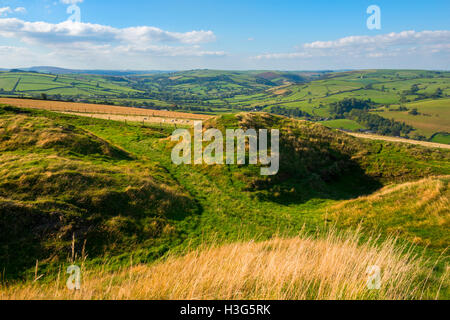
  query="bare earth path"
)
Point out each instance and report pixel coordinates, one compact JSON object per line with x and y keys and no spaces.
{"x":91,"y":109}
{"x":136,"y":118}
{"x":394,"y":139}
{"x":154,"y":116}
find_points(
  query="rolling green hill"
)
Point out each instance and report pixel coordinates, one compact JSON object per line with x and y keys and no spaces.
{"x":308,"y":95}
{"x":160,"y":89}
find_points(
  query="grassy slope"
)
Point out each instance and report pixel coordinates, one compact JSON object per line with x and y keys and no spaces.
{"x":322,"y":168}
{"x":441,"y":138}
{"x":434,"y":116}
{"x":418,"y":211}
{"x":346,"y":124}
{"x":59,"y":181}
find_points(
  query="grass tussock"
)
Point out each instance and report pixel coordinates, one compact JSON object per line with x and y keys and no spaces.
{"x":58,"y":180}
{"x":330,"y":267}
{"x":45,"y":200}
{"x":22,"y":132}
{"x":418,"y":211}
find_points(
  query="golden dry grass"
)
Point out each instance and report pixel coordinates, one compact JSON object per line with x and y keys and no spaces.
{"x":136,"y":118}
{"x":418,"y":211}
{"x":97,"y":108}
{"x":331,"y":267}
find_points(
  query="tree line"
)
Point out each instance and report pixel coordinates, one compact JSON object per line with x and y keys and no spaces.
{"x":358,"y":110}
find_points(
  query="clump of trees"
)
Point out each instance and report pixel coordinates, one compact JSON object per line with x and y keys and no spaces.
{"x":414,"y":90}
{"x":340,"y":108}
{"x":400,"y":108}
{"x":289,"y":112}
{"x":380,"y":125}
{"x":358,"y":110}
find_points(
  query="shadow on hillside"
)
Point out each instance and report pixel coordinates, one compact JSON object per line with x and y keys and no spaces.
{"x":43,"y":232}
{"x":347,"y":187}
{"x":341,"y":180}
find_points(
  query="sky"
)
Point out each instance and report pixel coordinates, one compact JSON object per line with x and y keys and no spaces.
{"x":225,"y":34}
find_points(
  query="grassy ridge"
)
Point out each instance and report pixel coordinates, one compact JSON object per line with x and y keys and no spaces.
{"x":418,"y":211}
{"x":59,"y":181}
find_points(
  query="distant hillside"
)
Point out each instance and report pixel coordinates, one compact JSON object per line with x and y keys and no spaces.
{"x":196,"y":90}
{"x":56,"y":70}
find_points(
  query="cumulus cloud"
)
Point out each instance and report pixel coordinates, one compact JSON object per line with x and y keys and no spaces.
{"x":76,"y":43}
{"x":168,"y":51}
{"x":391,"y":39}
{"x":4,"y":11}
{"x":84,"y":56}
{"x":71,"y":1}
{"x":392,"y":44}
{"x":68,"y":31}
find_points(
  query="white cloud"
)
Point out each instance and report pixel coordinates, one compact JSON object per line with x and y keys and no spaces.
{"x":167,"y":51}
{"x":7,"y":10}
{"x":406,"y":49}
{"x":71,"y":1}
{"x":392,"y":44}
{"x":82,"y":45}
{"x":84,"y":56}
{"x":391,"y":39}
{"x":68,"y":31}
{"x":20,"y":10}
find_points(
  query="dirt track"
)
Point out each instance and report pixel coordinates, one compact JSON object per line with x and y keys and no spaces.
{"x":394,"y":139}
{"x":91,"y":109}
{"x":154,"y":116}
{"x":136,"y":118}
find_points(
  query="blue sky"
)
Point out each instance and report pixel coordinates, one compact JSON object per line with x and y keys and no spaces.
{"x":246,"y":34}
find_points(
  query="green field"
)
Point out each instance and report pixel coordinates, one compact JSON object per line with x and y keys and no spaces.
{"x":441,"y":138}
{"x":216,"y":92}
{"x":29,"y":83}
{"x":433,"y":117}
{"x":343,"y":124}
